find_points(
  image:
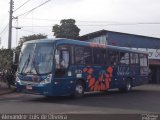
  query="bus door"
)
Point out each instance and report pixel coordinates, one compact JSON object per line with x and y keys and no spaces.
{"x":114,"y":63}
{"x":123,"y":69}
{"x":143,"y":58}
{"x":63,"y":75}
{"x":134,"y":67}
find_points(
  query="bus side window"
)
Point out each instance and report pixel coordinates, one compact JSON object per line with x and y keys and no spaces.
{"x":64,"y":61}
{"x":134,"y":58}
{"x":114,"y":57}
{"x":99,"y":56}
{"x":143,"y":60}
{"x":96,"y":56}
{"x":87,"y":56}
{"x":57,"y":57}
{"x":143,"y":64}
{"x":83,"y":55}
{"x":104,"y":57}
{"x":62,"y":58}
{"x":79,"y":55}
{"x":124,"y":58}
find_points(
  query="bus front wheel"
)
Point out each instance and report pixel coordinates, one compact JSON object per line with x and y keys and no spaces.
{"x":79,"y":90}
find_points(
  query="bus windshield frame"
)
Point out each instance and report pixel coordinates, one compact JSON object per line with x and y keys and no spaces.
{"x":36,"y":59}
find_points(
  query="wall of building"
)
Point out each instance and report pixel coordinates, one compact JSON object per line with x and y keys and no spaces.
{"x":101,"y":40}
{"x":128,"y":40}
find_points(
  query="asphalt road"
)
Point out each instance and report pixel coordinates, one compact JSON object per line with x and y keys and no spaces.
{"x":143,"y":99}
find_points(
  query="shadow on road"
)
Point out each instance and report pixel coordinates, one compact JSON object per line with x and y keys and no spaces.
{"x":146,"y":98}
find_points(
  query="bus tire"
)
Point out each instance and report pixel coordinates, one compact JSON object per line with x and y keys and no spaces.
{"x":79,"y":90}
{"x":128,"y":86}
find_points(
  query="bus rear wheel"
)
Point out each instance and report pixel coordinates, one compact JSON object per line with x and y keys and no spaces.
{"x":79,"y":90}
{"x":128,"y":86}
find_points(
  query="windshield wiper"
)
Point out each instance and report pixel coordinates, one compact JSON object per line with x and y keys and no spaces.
{"x":25,"y":64}
{"x":35,"y":67}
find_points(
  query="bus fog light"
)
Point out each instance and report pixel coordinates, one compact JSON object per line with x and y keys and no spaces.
{"x":18,"y":80}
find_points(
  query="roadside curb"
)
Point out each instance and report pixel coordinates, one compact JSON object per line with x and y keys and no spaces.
{"x":7,"y":91}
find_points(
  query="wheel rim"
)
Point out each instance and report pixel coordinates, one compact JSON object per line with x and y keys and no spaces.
{"x":128,"y":86}
{"x":79,"y":89}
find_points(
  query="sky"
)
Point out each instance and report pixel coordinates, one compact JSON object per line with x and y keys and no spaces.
{"x":141,"y":17}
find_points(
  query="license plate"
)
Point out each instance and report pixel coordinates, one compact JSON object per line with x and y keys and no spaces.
{"x":29,"y":87}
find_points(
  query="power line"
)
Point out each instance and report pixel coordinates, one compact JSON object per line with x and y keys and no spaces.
{"x":29,"y":31}
{"x":33,"y":8}
{"x":119,"y":24}
{"x":147,"y":23}
{"x":60,"y":20}
{"x":33,"y":32}
{"x":22,"y":5}
{"x":94,"y":25}
{"x":4,"y":29}
{"x":41,"y":19}
{"x":109,"y":22}
{"x":36,"y":26}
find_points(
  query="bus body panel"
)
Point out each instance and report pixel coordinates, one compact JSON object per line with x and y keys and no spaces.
{"x":94,"y":77}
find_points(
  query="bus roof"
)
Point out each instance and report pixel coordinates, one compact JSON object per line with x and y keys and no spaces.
{"x":59,"y":41}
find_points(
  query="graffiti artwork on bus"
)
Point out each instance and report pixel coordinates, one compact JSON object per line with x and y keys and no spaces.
{"x":104,"y":78}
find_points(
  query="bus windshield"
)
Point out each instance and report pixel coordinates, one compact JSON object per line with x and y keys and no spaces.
{"x":36,"y":58}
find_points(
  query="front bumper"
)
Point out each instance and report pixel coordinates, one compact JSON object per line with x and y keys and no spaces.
{"x":38,"y":89}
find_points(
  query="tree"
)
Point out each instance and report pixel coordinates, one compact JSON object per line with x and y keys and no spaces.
{"x":31,"y":37}
{"x":6,"y":56}
{"x":25,"y":39}
{"x":28,"y":38}
{"x":67,"y":29}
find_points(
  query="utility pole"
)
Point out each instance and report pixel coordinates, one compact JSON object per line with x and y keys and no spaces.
{"x":10,"y":25}
{"x":0,"y":40}
{"x":17,"y":31}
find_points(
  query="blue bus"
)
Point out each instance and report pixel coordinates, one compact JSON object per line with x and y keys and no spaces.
{"x":56,"y":67}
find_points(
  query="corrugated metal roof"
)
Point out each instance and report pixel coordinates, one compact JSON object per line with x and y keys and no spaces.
{"x":104,"y":32}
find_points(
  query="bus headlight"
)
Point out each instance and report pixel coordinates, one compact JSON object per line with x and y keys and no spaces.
{"x":18,"y":80}
{"x":47,"y":80}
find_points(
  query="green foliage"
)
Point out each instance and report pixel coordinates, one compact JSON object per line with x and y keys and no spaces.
{"x":28,"y":38}
{"x":6,"y":57}
{"x":67,"y":29}
{"x":31,"y":37}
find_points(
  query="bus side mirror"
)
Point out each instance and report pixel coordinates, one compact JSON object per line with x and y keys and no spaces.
{"x":15,"y":58}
